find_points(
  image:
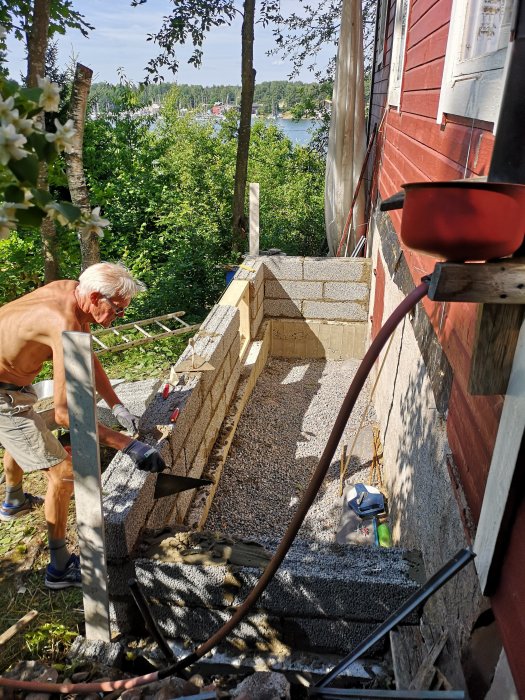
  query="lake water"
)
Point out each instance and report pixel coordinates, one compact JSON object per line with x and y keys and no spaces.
{"x":299,"y":132}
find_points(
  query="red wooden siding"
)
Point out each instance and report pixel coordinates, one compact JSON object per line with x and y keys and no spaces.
{"x":417,"y":148}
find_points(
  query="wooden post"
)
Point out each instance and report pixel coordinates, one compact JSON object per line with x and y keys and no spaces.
{"x":254,"y":218}
{"x":81,"y":403}
{"x":503,"y":488}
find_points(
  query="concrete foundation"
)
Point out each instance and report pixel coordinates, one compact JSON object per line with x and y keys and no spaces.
{"x":325,"y":601}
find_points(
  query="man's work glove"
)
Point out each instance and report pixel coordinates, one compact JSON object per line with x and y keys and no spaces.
{"x":144,"y":456}
{"x":126,"y":419}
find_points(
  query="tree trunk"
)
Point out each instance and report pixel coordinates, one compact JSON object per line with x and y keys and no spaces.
{"x":245,"y":126}
{"x":36,"y":60}
{"x":89,"y":245}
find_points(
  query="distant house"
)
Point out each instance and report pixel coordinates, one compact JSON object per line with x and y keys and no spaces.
{"x":436,"y":94}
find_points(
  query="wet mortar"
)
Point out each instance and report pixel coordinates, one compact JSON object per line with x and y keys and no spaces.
{"x":278,"y":442}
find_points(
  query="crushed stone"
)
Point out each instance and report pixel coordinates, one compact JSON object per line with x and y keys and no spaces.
{"x":277,"y":445}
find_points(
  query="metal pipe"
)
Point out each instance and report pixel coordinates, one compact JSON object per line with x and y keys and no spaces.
{"x":418,"y":598}
{"x":405,"y":694}
{"x":151,"y":624}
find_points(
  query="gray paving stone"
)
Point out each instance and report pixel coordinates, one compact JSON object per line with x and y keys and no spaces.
{"x":338,"y":269}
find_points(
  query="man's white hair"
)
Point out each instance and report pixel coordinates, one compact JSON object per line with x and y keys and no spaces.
{"x":109,"y":279}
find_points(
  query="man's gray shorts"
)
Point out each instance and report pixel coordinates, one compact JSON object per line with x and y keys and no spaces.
{"x":24,"y":434}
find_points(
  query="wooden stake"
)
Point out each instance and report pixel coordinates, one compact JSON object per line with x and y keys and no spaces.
{"x":15,"y":629}
{"x":81,"y":404}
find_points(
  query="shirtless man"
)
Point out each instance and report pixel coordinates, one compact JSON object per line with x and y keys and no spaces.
{"x":31,"y":333}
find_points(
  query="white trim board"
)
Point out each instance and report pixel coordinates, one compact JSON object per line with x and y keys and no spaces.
{"x":499,"y":499}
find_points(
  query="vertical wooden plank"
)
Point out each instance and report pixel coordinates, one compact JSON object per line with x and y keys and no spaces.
{"x":254,"y":218}
{"x":501,"y":493}
{"x":494,"y":346}
{"x":81,"y":402}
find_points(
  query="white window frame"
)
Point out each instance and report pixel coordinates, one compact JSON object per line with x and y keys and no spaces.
{"x":398,"y":53}
{"x":472,"y":88}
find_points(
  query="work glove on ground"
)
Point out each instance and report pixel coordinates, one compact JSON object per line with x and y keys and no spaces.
{"x":145,"y":456}
{"x":126,"y":419}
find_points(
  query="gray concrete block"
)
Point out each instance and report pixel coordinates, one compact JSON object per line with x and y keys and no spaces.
{"x":105,"y":653}
{"x":127,"y":501}
{"x":118,"y":577}
{"x":284,"y":289}
{"x":186,"y":397}
{"x":162,"y":512}
{"x":346,"y":291}
{"x":136,"y":396}
{"x":231,"y":386}
{"x":257,"y":321}
{"x":343,"y":582}
{"x":283,"y":267}
{"x":255,"y":262}
{"x":217,"y":389}
{"x":196,"y":434}
{"x":260,"y":630}
{"x":283,"y":308}
{"x":338,"y":269}
{"x":214,"y":338}
{"x":335,"y":310}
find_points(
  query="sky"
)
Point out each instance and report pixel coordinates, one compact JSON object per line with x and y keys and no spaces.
{"x":120,"y":41}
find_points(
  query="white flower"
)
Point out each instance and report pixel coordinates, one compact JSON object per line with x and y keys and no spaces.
{"x":63,"y":136}
{"x":94,"y":224}
{"x":24,"y":126}
{"x":50,"y":97}
{"x":54,"y":213}
{"x":28,"y":195}
{"x":11,"y":144}
{"x":7,"y":110}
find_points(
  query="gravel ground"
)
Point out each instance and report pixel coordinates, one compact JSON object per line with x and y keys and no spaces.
{"x":279,"y":440}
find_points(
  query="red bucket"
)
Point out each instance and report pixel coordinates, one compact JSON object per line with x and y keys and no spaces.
{"x":463,"y":219}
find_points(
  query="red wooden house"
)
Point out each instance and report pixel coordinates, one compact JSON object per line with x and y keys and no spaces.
{"x":438,"y":77}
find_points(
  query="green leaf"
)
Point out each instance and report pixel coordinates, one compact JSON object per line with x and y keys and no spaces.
{"x":26,"y":169}
{"x":13,"y":194}
{"x":30,"y":217}
{"x":39,"y":144}
{"x":68,"y":210}
{"x":31,"y":94}
{"x":41,"y":197}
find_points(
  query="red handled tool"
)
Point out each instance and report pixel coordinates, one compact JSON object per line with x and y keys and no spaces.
{"x":174,"y":415}
{"x":165,"y":391}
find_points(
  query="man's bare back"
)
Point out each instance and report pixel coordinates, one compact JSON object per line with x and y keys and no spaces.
{"x":30,"y":333}
{"x":31,"y":327}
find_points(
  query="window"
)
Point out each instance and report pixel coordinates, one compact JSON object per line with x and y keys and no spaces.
{"x":398,"y":52}
{"x":475,"y":60}
{"x":380,"y":38}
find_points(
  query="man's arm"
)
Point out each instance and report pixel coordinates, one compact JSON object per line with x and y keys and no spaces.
{"x":103,"y":384}
{"x":108,"y":437}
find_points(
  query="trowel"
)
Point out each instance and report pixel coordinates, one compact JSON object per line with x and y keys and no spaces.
{"x":170,"y":484}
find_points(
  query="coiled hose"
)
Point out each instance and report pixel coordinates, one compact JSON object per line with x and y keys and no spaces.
{"x":273,"y":565}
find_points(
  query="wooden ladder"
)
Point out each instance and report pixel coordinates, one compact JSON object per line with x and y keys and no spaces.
{"x":146,"y":335}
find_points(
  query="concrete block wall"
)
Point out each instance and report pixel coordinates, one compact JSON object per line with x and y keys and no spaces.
{"x":203,"y":399}
{"x":320,"y":304}
{"x":253,"y":271}
{"x":322,"y":598}
{"x":332,"y":289}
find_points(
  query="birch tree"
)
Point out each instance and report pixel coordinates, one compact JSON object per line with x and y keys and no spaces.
{"x":89,"y":240}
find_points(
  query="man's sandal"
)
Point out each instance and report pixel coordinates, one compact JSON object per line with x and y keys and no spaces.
{"x":9,"y":512}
